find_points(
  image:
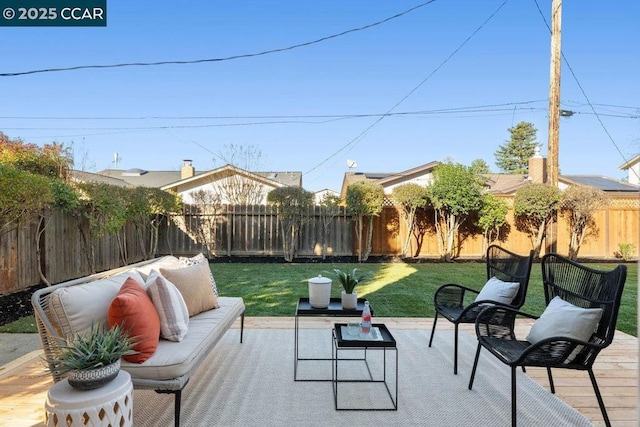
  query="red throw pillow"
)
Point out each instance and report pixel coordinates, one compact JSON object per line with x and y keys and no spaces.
{"x":133,"y":309}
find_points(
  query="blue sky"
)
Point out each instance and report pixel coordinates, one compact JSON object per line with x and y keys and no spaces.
{"x":156,"y":116}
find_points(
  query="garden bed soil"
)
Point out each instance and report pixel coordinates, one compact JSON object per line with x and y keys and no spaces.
{"x":16,"y":305}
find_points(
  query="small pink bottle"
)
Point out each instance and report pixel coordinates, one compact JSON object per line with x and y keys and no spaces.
{"x":366,"y":319}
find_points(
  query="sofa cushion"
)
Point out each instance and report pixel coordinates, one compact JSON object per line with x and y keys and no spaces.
{"x":175,"y":359}
{"x":73,"y":309}
{"x":193,"y":283}
{"x":132,"y":308}
{"x":171,"y":308}
{"x":168,"y":261}
{"x":201,"y":259}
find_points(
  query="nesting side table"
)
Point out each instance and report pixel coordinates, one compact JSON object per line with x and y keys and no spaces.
{"x":334,"y":309}
{"x":383,"y":342}
{"x":109,"y":405}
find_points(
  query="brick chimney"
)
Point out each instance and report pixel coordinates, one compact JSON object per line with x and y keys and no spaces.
{"x":187,"y":170}
{"x":538,"y":168}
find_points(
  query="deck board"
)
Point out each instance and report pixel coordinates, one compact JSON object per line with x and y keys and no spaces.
{"x":24,"y":382}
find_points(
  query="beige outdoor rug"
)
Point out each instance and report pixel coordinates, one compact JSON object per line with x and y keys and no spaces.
{"x":251,"y":384}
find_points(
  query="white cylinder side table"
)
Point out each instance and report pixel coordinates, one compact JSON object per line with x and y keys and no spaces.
{"x":109,"y":405}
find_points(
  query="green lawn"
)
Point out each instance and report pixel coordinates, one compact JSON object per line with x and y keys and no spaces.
{"x":396,"y":289}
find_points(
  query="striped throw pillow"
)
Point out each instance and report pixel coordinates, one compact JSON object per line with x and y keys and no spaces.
{"x":170,"y":305}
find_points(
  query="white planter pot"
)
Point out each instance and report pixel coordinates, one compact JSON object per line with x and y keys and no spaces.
{"x":349,"y":301}
{"x":319,"y":292}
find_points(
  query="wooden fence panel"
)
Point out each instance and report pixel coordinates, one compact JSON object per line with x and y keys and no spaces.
{"x":254,"y":231}
{"x":18,"y":261}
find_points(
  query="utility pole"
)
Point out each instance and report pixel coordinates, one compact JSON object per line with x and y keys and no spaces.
{"x":554,"y":115}
{"x":554,"y":93}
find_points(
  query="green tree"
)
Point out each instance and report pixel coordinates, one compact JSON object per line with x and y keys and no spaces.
{"x":105,"y":209}
{"x":492,"y":217}
{"x":23,"y":195}
{"x":364,"y":200}
{"x":579,"y":205}
{"x":479,"y":166}
{"x":534,"y":207}
{"x":292,"y":203}
{"x":161,"y":205}
{"x":456,"y":192}
{"x":408,"y":198}
{"x":329,"y":209}
{"x":50,"y":160}
{"x":513,"y":157}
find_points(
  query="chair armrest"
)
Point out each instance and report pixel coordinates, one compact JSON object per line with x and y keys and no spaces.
{"x":451,"y":295}
{"x":498,"y":321}
{"x":561,"y":351}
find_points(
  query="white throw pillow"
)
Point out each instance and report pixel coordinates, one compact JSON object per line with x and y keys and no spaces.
{"x":200,"y":259}
{"x":498,"y":291}
{"x":170,"y":305}
{"x":563,"y":319}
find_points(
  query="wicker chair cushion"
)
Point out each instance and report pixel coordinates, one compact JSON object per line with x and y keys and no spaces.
{"x":563,"y":319}
{"x":498,"y":291}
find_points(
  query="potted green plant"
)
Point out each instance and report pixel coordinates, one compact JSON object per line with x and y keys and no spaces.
{"x":349,"y":280}
{"x":92,"y":360}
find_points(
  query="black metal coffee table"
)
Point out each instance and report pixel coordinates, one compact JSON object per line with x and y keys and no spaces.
{"x":381,"y":340}
{"x":334,"y":309}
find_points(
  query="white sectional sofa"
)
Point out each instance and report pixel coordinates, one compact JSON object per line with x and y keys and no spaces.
{"x":72,"y":307}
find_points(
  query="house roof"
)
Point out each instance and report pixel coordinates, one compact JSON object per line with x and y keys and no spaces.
{"x":274,"y":179}
{"x":143,"y":178}
{"x":628,"y":164}
{"x":502,"y":183}
{"x":82,"y":176}
{"x":160,"y":179}
{"x":600,"y":182}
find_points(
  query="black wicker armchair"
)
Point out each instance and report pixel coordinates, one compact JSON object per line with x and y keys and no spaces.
{"x":581,"y":286}
{"x":457,"y":304}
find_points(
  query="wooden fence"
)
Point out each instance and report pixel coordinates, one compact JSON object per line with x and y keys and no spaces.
{"x":63,"y":253}
{"x":255,"y":231}
{"x":252,"y":231}
{"x":618,"y":223}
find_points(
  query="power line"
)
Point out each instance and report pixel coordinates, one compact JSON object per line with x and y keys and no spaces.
{"x":228,"y":58}
{"x":355,"y":140}
{"x":472,"y":108}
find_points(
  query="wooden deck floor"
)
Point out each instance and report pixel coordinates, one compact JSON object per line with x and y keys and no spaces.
{"x":24,"y":382}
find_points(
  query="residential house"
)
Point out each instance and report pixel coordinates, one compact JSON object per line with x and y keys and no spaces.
{"x":633,"y":168}
{"x":319,"y":195}
{"x":421,"y":175}
{"x":229,"y":182}
{"x":497,"y":183}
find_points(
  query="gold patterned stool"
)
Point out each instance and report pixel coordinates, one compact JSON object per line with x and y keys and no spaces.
{"x":108,"y":406}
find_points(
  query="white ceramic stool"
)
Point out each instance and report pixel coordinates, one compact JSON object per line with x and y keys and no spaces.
{"x":109,"y":405}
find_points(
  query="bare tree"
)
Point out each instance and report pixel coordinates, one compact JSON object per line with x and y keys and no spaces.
{"x":209,"y":204}
{"x":329,"y":209}
{"x":237,"y":187}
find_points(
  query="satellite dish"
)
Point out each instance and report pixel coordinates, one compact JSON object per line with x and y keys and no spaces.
{"x":351,"y":164}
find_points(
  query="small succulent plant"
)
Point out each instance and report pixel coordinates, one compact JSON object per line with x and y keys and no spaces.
{"x":349,"y":279}
{"x":99,"y":347}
